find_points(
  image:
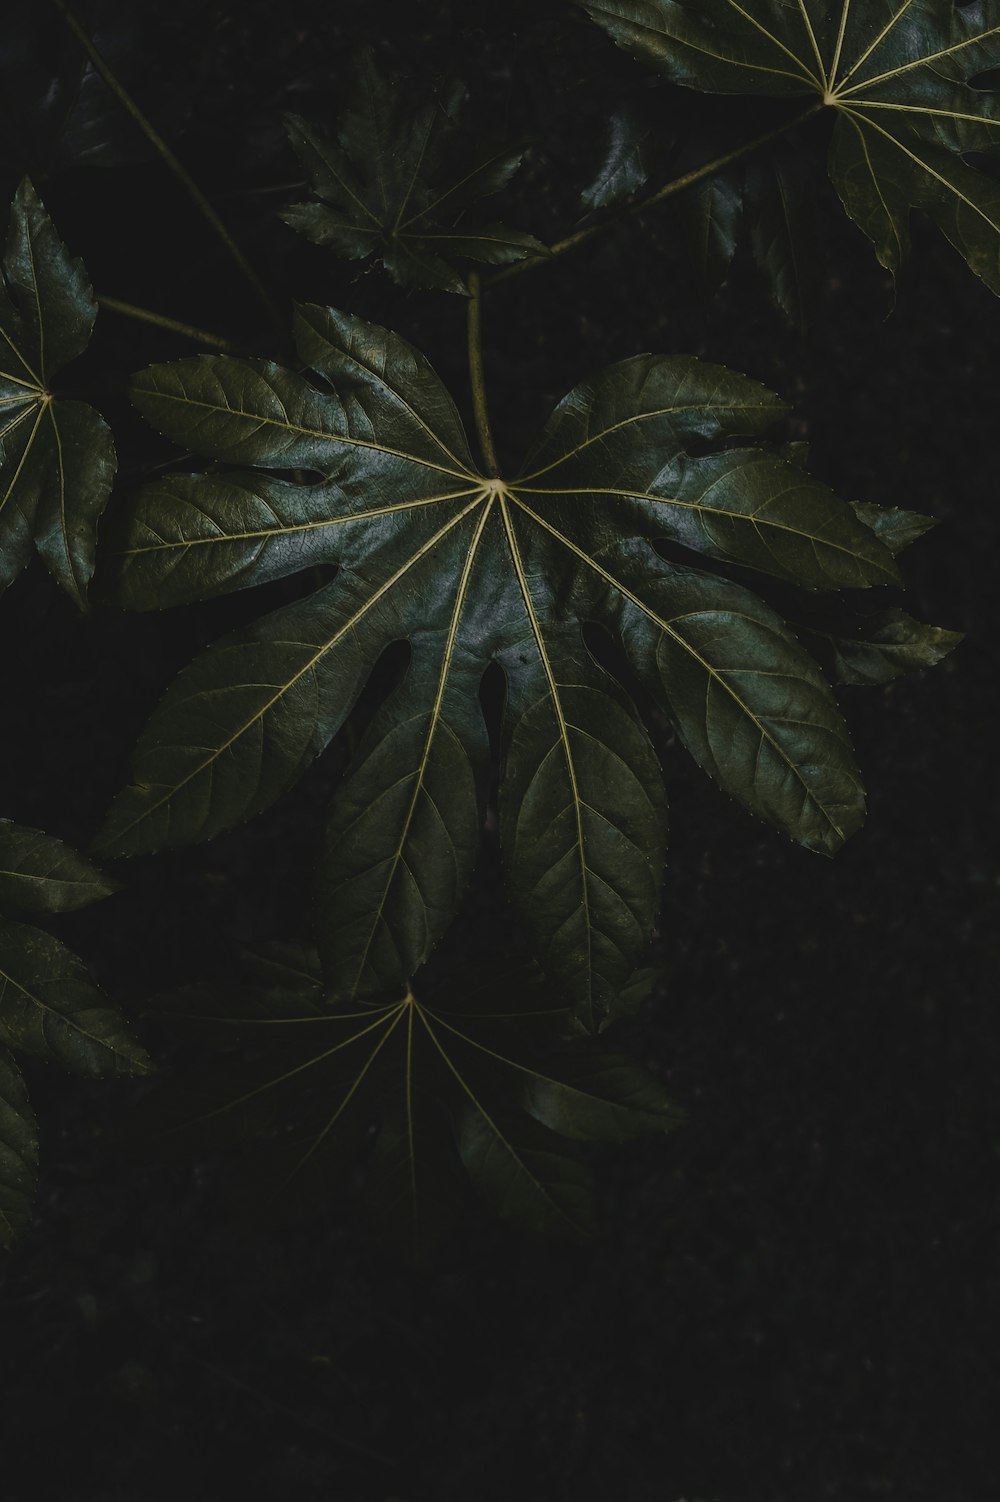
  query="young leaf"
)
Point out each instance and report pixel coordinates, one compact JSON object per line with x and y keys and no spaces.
{"x":881,"y":647}
{"x":57,"y":460}
{"x":469,"y":569}
{"x":896,"y":76}
{"x":40,"y":874}
{"x":397,"y":183}
{"x":18,"y":1152}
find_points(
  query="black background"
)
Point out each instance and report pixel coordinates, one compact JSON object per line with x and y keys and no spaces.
{"x":792,"y":1297}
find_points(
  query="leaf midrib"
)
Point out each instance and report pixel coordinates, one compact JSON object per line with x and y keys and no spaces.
{"x":713,"y":673}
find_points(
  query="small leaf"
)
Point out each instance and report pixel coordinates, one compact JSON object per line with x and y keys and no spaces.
{"x":57,"y":460}
{"x":895,"y":529}
{"x":49,"y":1007}
{"x":398,"y":183}
{"x":880,"y":648}
{"x":599,"y":1098}
{"x":40,"y":874}
{"x":18,"y":1153}
{"x":624,"y":169}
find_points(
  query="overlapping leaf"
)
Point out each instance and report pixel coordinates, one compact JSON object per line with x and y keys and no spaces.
{"x":897,"y":76}
{"x":399,"y":183}
{"x":57,"y":460}
{"x":479,"y":1075}
{"x":471,"y":569}
{"x":49,"y":1007}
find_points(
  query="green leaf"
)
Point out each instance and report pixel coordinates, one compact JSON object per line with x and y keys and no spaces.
{"x":49,"y":1007}
{"x":524,"y":1175}
{"x":624,"y":169}
{"x":469,"y":569}
{"x":57,"y":460}
{"x":18,"y":1152}
{"x":599,"y":1098}
{"x":881,"y":647}
{"x":896,"y":76}
{"x":463,"y":1076}
{"x":894,"y":528}
{"x":398,"y":182}
{"x":40,"y":874}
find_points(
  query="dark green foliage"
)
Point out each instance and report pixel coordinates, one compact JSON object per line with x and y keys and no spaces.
{"x":472,"y":569}
{"x":896,"y":76}
{"x":49,"y":1007}
{"x":654,"y":569}
{"x":57,"y":460}
{"x":397,"y":183}
{"x":478,"y":1075}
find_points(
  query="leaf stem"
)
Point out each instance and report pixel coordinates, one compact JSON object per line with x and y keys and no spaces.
{"x":676,"y":185}
{"x":475,"y":333}
{"x":183,"y":176}
{"x":186,"y":330}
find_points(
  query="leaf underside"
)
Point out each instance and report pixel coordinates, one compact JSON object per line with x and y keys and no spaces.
{"x":471,"y":570}
{"x":897,"y":76}
{"x":57,"y":459}
{"x":398,"y":183}
{"x":477,"y":1078}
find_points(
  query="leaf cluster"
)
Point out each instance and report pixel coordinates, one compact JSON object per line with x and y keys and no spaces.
{"x":49,"y":1007}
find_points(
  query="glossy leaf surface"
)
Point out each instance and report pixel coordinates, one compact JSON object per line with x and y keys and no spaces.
{"x":479,"y":1074}
{"x":896,"y":76}
{"x":57,"y":460}
{"x":398,"y":183}
{"x":471,"y":569}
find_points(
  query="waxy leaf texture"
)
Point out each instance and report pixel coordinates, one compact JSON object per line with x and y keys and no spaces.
{"x":375,"y":476}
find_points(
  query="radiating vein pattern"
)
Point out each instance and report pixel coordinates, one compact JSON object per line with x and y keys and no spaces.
{"x":898,"y":76}
{"x":400,"y":182}
{"x":57,"y":460}
{"x":469,"y":570}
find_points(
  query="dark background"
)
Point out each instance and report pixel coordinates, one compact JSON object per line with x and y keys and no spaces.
{"x":793,"y":1297}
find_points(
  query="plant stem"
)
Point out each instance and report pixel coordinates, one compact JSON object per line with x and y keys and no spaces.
{"x":183,"y":176}
{"x":676,"y":185}
{"x":186,"y":330}
{"x":475,"y":332}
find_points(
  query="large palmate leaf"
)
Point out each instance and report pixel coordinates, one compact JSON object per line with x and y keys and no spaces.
{"x":398,"y":183}
{"x":49,"y":1007}
{"x":478,"y":1073}
{"x":896,"y":76}
{"x":471,"y":569}
{"x":57,"y":460}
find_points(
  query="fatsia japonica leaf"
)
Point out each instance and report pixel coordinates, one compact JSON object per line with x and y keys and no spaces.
{"x":471,"y":569}
{"x":57,"y":459}
{"x":477,"y":1074}
{"x":49,"y":1006}
{"x":895,"y":75}
{"x":398,"y":183}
